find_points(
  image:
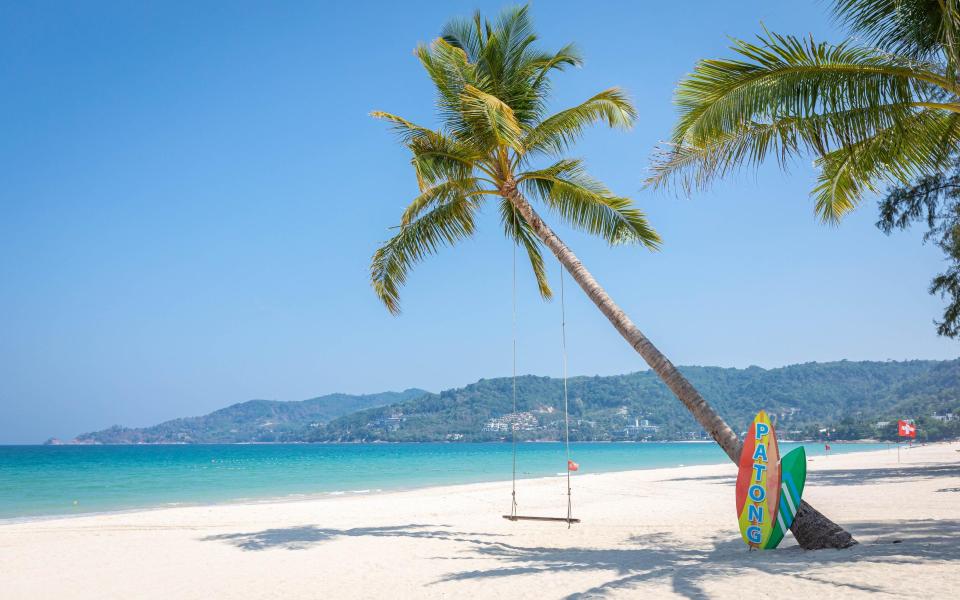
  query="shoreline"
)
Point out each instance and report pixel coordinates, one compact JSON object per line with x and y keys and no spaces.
{"x":325,"y":495}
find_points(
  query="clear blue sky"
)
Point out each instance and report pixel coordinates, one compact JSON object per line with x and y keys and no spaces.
{"x":190,"y":196}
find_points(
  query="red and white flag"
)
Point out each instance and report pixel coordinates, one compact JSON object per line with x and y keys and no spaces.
{"x":572,"y":466}
{"x":906,"y":429}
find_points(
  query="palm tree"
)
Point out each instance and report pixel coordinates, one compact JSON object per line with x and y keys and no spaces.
{"x":886,"y":112}
{"x":492,"y":84}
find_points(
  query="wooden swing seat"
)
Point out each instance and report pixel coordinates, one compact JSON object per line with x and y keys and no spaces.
{"x":525,"y":518}
{"x":566,"y":409}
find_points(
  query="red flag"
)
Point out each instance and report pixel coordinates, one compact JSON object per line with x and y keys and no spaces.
{"x":572,"y":466}
{"x":906,"y":429}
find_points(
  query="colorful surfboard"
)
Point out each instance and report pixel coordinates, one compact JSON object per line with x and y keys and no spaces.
{"x":758,"y":482}
{"x":793,"y":474}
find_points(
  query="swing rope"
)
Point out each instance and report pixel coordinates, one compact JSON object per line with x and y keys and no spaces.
{"x":513,"y":426}
{"x":566,"y":406}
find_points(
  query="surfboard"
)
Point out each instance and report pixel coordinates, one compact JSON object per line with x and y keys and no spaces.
{"x":793,"y":474}
{"x":758,"y":482}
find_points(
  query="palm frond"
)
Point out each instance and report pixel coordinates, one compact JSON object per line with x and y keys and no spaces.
{"x":910,"y":149}
{"x":465,"y":34}
{"x":588,"y":205}
{"x":451,"y":73}
{"x":696,"y":167}
{"x":491,"y":120}
{"x":530,"y":83}
{"x":518,"y":230}
{"x":912,"y":28}
{"x":568,"y":56}
{"x":445,"y":225}
{"x":557,"y":132}
{"x":440,"y":194}
{"x":405,"y":130}
{"x":506,"y":50}
{"x":436,"y":156}
{"x":788,"y":76}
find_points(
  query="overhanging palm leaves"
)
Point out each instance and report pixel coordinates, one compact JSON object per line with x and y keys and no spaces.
{"x":492,"y":85}
{"x":868,"y":115}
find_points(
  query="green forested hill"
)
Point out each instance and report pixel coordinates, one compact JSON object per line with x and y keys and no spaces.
{"x":252,"y":421}
{"x":848,"y":397}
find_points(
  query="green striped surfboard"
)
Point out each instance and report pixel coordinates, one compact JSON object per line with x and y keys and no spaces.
{"x":793,"y":474}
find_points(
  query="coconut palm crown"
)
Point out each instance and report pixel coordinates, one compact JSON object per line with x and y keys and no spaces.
{"x":492,"y":84}
{"x":885,"y":109}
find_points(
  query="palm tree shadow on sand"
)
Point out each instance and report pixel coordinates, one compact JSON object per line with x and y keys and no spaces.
{"x":303,"y":537}
{"x":658,"y":558}
{"x":649,"y":558}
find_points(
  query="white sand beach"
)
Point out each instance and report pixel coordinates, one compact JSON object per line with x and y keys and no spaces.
{"x":656,"y":533}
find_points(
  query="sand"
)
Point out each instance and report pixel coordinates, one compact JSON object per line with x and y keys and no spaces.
{"x":656,"y":533}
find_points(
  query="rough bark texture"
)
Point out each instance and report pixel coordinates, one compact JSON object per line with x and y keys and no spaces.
{"x":811,"y":529}
{"x":814,"y":531}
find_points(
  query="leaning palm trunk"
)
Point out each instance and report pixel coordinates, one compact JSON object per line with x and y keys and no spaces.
{"x":811,"y":528}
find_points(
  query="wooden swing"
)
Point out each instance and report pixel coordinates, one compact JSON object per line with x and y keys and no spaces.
{"x":513,"y":516}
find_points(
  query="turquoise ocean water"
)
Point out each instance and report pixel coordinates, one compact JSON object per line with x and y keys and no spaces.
{"x":65,"y":480}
